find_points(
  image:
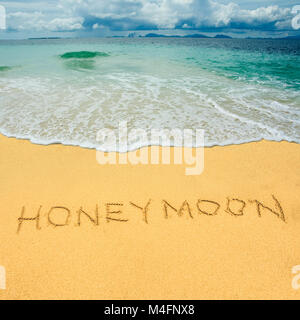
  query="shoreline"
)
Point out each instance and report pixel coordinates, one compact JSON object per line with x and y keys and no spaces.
{"x":146,"y":146}
{"x":149,"y":231}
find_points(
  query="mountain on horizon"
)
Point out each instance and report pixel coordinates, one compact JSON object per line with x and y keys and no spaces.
{"x":218,"y":36}
{"x":195,"y":35}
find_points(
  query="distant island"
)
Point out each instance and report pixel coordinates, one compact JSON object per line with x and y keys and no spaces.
{"x":218,"y":36}
{"x":45,"y":38}
{"x":196,"y":35}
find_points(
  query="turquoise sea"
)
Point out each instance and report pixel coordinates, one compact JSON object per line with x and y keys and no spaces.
{"x":237,"y":90}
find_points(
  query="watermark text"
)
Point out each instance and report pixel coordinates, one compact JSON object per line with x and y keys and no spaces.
{"x":182,"y":153}
{"x":296,"y":19}
{"x":2,"y":278}
{"x":2,"y":18}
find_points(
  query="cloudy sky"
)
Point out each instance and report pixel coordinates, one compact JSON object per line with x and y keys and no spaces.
{"x":79,"y":18}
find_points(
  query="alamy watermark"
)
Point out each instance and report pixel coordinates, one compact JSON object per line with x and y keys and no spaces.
{"x":296,"y":278}
{"x":296,"y":19}
{"x":182,"y":153}
{"x":2,"y":18}
{"x":2,"y":278}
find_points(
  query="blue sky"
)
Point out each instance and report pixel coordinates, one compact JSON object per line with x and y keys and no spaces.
{"x":79,"y":18}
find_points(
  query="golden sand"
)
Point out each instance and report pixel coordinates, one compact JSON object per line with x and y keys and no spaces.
{"x":223,"y":242}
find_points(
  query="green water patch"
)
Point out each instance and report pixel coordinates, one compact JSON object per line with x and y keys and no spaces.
{"x":270,"y":69}
{"x":5,"y":68}
{"x":83,"y":55}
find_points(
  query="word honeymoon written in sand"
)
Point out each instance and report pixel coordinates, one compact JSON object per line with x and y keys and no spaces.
{"x":59,"y":216}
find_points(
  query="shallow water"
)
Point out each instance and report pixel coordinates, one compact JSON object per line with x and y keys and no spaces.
{"x":236,"y":90}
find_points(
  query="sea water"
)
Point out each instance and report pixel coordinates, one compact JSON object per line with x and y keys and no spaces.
{"x":66,"y":90}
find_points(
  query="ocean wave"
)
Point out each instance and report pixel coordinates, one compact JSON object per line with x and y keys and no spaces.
{"x":48,"y":111}
{"x":47,"y":100}
{"x":83,"y":55}
{"x":5,"y":68}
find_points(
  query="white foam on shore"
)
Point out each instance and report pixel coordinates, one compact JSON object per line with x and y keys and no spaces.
{"x":55,"y":110}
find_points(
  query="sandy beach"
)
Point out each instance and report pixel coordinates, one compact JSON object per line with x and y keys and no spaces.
{"x":149,"y":231}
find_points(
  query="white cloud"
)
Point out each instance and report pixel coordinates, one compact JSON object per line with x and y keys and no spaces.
{"x":98,"y":26}
{"x":25,"y":20}
{"x":65,"y":24}
{"x":37,"y":21}
{"x":70,"y":15}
